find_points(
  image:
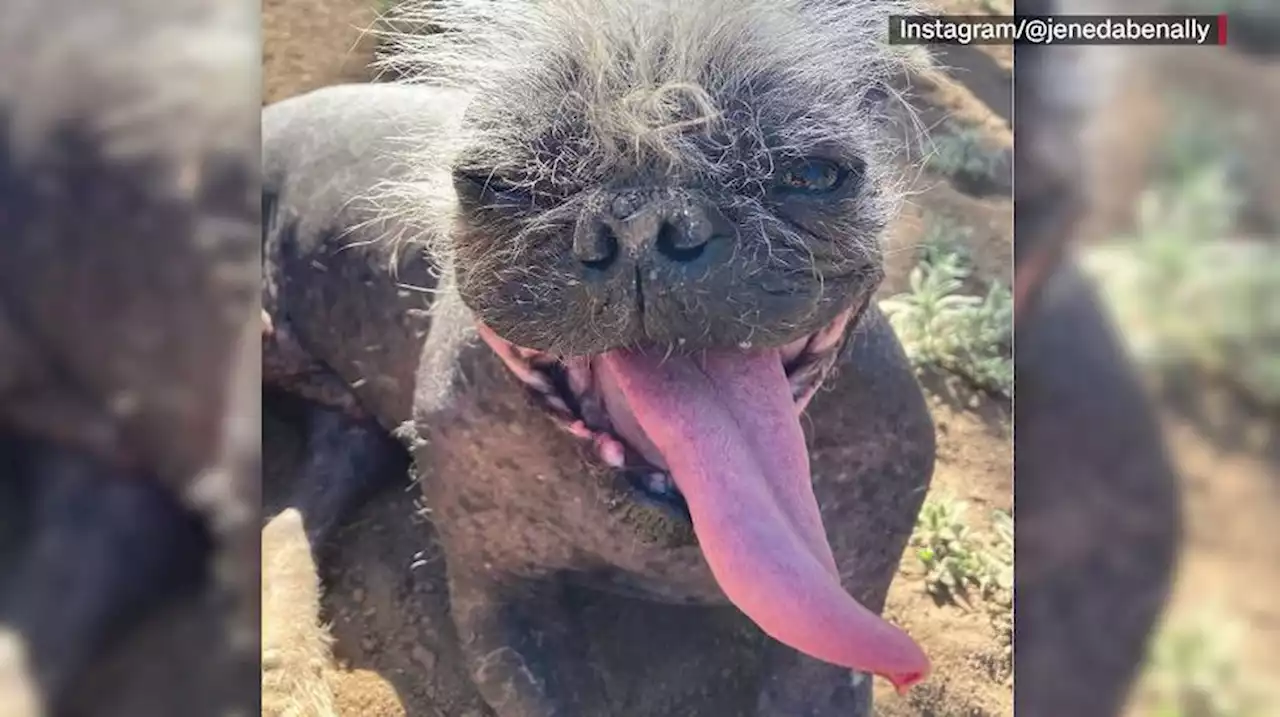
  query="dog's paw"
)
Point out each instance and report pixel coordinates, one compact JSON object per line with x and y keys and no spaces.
{"x":19,"y":693}
{"x":295,"y":647}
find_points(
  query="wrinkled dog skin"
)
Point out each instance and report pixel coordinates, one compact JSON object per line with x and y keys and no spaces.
{"x":129,"y":342}
{"x":592,"y":296}
{"x":1098,"y":516}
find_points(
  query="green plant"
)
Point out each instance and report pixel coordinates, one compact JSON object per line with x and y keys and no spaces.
{"x":946,"y":242}
{"x":941,"y":327}
{"x":1002,"y":527}
{"x":956,"y":560}
{"x":1198,"y":138}
{"x":963,"y":152}
{"x":1193,"y":670}
{"x":1185,"y":297}
{"x":999,"y":560}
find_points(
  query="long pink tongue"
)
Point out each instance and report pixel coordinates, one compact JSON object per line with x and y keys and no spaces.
{"x":725,"y":425}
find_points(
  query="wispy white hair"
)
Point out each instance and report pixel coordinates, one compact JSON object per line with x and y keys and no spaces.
{"x":643,"y":68}
{"x":568,"y":91}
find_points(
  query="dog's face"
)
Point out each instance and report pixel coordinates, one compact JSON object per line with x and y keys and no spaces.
{"x":667,"y":220}
{"x":680,"y":192}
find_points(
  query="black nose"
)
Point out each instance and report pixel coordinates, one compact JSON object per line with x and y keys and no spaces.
{"x":596,"y":247}
{"x":666,"y":229}
{"x":681,"y":245}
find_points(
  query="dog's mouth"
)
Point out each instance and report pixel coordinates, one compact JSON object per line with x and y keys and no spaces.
{"x":582,"y":395}
{"x":716,"y":434}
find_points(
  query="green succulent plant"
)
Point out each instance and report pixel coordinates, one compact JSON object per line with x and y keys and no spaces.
{"x":1185,"y":293}
{"x":942,"y":327}
{"x":957,"y":561}
{"x":964,"y":153}
{"x":1194,"y":670}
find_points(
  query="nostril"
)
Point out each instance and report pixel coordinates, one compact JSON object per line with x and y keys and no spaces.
{"x":679,"y":246}
{"x":598,"y":250}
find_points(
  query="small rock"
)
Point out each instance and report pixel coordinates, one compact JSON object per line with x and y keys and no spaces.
{"x":367,"y":644}
{"x":424,"y":657}
{"x":358,"y":594}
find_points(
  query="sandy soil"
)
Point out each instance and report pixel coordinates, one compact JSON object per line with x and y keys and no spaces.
{"x":307,"y":45}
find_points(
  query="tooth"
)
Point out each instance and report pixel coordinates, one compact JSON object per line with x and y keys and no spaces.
{"x":579,"y":373}
{"x":610,"y":451}
{"x":579,"y":430}
{"x":659,"y":483}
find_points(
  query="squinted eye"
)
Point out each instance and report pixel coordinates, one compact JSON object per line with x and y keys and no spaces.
{"x":491,"y":183}
{"x":813,"y":176}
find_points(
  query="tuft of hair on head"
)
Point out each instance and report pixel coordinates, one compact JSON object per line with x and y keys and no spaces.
{"x":644,"y":69}
{"x":628,"y":82}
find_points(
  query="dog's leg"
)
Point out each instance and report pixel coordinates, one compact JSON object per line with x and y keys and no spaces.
{"x":105,"y":549}
{"x":346,"y":461}
{"x":521,"y":646}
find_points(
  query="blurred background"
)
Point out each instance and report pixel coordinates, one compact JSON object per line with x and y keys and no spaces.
{"x":129,"y":357}
{"x":1184,"y":243}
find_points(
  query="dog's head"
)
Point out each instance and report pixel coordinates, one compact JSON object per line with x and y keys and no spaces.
{"x":681,"y":175}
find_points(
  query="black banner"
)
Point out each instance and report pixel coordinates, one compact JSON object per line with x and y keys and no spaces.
{"x":1058,"y":30}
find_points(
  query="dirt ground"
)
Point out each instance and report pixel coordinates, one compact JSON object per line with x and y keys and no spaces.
{"x":394,"y":641}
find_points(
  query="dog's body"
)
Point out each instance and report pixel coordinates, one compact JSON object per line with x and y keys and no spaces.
{"x":521,"y":507}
